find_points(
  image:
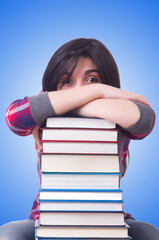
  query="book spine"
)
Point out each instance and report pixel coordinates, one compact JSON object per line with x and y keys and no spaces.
{"x":77,"y":141}
{"x":89,"y":201}
{"x":79,"y":190}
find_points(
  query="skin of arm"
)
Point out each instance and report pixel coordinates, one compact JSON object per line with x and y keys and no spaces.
{"x":120,"y":111}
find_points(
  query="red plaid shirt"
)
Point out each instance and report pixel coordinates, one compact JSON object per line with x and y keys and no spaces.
{"x":20,"y":120}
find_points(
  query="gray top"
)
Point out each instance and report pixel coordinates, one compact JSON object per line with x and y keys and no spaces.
{"x":41,"y":107}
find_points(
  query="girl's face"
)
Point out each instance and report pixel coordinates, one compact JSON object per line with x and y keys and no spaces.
{"x":86,"y":72}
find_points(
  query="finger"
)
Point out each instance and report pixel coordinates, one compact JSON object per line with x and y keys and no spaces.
{"x":144,"y":100}
{"x":38,"y":144}
{"x":35,"y":146}
{"x":40,"y":148}
{"x":139,"y":98}
{"x":35,"y":132}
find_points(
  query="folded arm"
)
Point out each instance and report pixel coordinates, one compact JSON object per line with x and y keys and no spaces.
{"x":135,"y":119}
{"x":25,"y":115}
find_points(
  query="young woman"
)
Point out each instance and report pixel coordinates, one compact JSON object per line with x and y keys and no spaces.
{"x":82,"y":79}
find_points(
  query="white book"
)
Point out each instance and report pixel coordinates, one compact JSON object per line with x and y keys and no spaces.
{"x":50,"y":194}
{"x":80,"y":147}
{"x":82,"y":218}
{"x":79,"y":163}
{"x":82,"y":232}
{"x":78,"y":122}
{"x":80,"y":181}
{"x":80,"y":134}
{"x":80,"y":206}
{"x":48,"y":238}
{"x":45,"y":238}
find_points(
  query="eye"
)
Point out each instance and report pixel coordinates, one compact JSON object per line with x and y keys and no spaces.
{"x":92,"y":80}
{"x":65,"y":82}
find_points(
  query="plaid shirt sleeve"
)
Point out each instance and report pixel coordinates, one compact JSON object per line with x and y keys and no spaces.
{"x":19,"y":118}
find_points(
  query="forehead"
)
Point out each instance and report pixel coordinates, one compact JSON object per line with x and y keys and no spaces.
{"x":85,"y":61}
{"x":84,"y":64}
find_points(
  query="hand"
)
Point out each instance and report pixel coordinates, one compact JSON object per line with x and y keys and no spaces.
{"x":36,"y":135}
{"x":136,"y":97}
{"x":110,"y":92}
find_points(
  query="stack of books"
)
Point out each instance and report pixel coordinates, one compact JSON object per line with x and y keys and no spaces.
{"x":80,"y":195}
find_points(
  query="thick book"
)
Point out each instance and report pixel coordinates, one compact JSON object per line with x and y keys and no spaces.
{"x":45,"y":205}
{"x":79,"y":163}
{"x":85,"y":147}
{"x":67,"y":218}
{"x":79,"y":122}
{"x":45,"y":238}
{"x":75,"y":232}
{"x":79,"y":134}
{"x":83,"y":196}
{"x":80,"y":180}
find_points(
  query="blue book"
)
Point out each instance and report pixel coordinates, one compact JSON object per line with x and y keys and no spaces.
{"x":80,"y":195}
{"x":80,"y":180}
{"x":82,"y":233}
{"x":81,"y":218}
{"x":77,"y":205}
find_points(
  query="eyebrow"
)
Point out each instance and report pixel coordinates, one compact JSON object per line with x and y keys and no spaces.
{"x":90,"y":71}
{"x":86,"y":72}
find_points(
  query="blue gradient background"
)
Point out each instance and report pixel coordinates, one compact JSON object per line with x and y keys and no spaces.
{"x":30,"y":33}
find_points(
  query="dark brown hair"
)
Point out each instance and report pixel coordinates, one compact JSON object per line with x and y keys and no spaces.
{"x":66,"y":58}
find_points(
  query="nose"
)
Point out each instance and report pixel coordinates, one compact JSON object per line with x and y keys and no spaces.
{"x":79,"y":83}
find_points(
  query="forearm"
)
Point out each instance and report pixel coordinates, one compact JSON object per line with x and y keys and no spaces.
{"x":23,"y":115}
{"x":67,"y":100}
{"x":135,"y":118}
{"x":120,"y":111}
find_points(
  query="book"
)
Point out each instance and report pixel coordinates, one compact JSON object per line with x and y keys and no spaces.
{"x":76,"y":134}
{"x":74,"y":194}
{"x":80,"y":147}
{"x":41,"y":238}
{"x":80,"y":195}
{"x":79,"y":122}
{"x":45,"y":205}
{"x":80,"y":180}
{"x":76,"y":232}
{"x":67,"y":218}
{"x":79,"y":163}
{"x":45,"y":238}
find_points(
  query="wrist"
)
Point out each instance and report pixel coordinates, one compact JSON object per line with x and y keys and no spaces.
{"x":99,"y":90}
